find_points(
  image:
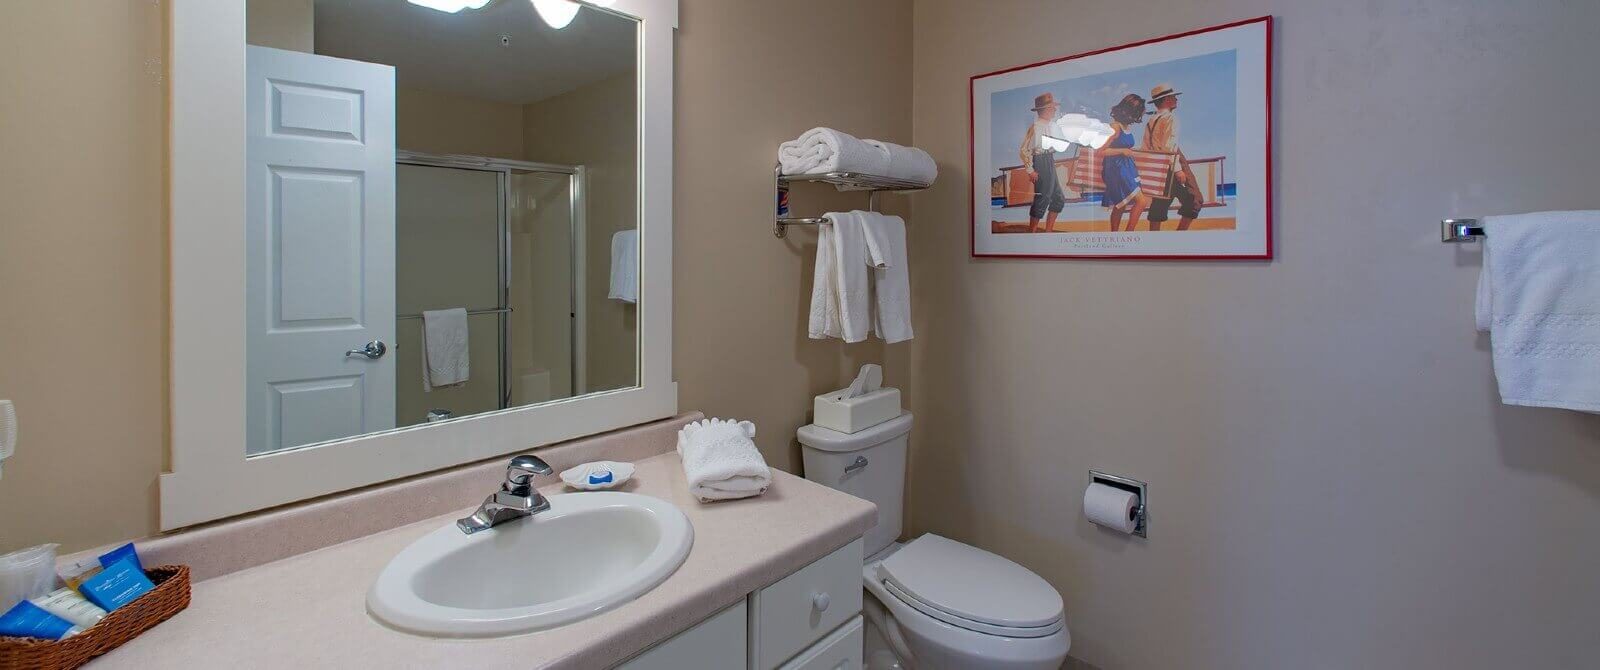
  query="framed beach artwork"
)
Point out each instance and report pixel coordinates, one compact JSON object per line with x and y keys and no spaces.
{"x":1157,"y":150}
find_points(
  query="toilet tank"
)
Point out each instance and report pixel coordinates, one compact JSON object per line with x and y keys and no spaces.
{"x":869,"y":464}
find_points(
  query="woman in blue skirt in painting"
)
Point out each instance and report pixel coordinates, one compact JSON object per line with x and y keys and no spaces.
{"x":1117,"y":168}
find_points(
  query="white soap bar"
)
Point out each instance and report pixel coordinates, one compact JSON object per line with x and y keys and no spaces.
{"x":838,"y":411}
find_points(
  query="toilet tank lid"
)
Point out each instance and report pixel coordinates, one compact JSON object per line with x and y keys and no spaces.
{"x":827,"y":439}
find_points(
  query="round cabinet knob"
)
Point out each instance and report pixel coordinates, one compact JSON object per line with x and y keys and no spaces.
{"x":821,"y":601}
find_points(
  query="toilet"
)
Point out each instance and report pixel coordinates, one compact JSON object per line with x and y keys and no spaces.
{"x":933,"y":603}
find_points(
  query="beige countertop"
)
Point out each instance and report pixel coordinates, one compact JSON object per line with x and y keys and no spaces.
{"x":309,"y":611}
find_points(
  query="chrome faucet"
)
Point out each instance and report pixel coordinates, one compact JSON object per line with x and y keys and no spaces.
{"x":515,"y":499}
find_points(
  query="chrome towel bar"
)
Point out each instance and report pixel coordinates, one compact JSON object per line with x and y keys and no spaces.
{"x":844,"y":181}
{"x":470,"y":312}
{"x":1460,"y":230}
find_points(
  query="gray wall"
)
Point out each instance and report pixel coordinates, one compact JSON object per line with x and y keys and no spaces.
{"x":1334,"y":483}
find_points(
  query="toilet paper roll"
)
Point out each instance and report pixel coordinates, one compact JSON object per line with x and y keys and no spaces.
{"x":1111,"y":507}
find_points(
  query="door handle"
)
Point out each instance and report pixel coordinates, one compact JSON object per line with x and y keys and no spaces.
{"x":373,"y":351}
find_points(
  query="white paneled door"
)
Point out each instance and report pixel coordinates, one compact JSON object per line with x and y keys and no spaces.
{"x":319,"y":245}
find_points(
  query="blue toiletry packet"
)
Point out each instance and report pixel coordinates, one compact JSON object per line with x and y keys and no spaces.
{"x":124,"y":551}
{"x":118,"y":584}
{"x":26,"y":619}
{"x":601,"y":477}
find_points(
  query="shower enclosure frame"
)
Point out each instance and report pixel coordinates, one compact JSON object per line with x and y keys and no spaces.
{"x":577,"y":184}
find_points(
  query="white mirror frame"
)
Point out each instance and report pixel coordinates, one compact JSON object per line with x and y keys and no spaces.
{"x":210,"y":476}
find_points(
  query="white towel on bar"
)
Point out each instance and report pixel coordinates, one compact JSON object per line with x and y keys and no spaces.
{"x":720,"y":460}
{"x":823,"y":320}
{"x":625,"y":266}
{"x":827,"y":150}
{"x":891,"y":279}
{"x":444,"y":348}
{"x":840,"y":290}
{"x":1539,"y":300}
{"x":909,"y":163}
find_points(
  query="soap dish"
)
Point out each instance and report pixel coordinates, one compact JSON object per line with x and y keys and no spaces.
{"x":597,"y":475}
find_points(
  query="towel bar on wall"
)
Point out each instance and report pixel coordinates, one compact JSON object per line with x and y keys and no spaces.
{"x":844,"y":181}
{"x":1460,"y":230}
{"x":470,"y":312}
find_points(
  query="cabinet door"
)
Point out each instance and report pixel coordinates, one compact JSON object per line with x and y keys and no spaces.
{"x":718,"y":643}
{"x":840,"y":650}
{"x":800,"y":609}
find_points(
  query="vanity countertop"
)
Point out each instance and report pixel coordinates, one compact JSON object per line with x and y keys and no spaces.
{"x":309,"y":611}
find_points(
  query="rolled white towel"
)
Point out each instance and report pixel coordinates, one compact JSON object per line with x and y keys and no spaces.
{"x":909,"y":163}
{"x":827,"y":150}
{"x":720,"y":461}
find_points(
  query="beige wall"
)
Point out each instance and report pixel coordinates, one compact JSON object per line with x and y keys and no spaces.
{"x":1334,"y":483}
{"x":83,"y":252}
{"x":440,"y":123}
{"x":591,"y":126}
{"x":281,"y":24}
{"x":744,"y":85}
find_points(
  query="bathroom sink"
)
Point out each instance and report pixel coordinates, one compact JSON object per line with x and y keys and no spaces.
{"x":588,"y":553}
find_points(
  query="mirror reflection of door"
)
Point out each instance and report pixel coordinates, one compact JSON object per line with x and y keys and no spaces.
{"x":507,"y":190}
{"x":319,"y":240}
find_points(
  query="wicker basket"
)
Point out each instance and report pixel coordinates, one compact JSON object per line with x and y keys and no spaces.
{"x":170,"y":596}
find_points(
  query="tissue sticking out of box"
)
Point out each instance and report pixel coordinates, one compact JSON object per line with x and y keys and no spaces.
{"x":869,"y":379}
{"x":865,"y":404}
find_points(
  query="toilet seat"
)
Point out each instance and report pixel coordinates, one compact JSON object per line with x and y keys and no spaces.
{"x":970,"y":588}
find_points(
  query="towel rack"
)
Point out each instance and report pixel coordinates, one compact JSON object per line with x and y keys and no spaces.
{"x":470,"y":312}
{"x":1460,"y":230}
{"x":844,"y":181}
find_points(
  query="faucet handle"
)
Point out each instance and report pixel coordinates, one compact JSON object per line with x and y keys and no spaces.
{"x":522,"y":470}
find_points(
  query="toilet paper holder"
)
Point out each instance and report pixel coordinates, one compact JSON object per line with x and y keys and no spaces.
{"x":1138,"y":488}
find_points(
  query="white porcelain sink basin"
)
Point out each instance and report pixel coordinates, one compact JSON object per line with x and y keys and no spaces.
{"x":589,"y":552}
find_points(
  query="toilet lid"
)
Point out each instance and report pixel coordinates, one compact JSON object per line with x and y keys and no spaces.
{"x":972,"y":584}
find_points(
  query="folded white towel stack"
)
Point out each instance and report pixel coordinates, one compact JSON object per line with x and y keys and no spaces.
{"x":909,"y":163}
{"x":720,"y":461}
{"x":891,"y":281}
{"x":821,"y":150}
{"x":444,"y":348}
{"x":625,"y":266}
{"x":1539,"y":299}
{"x":827,"y":150}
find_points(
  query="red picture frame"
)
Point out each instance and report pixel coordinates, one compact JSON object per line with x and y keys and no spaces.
{"x":1260,"y":239}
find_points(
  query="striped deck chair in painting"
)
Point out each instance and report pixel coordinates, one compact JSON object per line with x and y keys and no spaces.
{"x":1155,"y":172}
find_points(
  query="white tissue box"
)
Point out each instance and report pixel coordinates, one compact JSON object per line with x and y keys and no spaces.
{"x":850,"y":415}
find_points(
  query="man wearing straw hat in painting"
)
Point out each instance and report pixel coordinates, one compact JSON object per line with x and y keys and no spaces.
{"x":1039,"y":157}
{"x":1161,"y":134}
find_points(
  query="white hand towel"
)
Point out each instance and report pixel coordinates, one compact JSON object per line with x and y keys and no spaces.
{"x":891,"y":279}
{"x":444,"y":348}
{"x":828,"y":150}
{"x":851,"y":284}
{"x":1539,"y":299}
{"x":720,"y":461}
{"x":909,"y":163}
{"x":824,"y":317}
{"x":625,"y":266}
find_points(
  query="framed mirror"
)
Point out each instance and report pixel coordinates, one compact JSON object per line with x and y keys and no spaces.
{"x":409,"y":234}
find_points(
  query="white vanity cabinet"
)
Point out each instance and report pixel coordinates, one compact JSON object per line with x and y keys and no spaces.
{"x":717,"y":643}
{"x":809,"y":620}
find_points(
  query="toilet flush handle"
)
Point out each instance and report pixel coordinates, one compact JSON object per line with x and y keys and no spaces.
{"x":821,"y":601}
{"x":860,"y":462}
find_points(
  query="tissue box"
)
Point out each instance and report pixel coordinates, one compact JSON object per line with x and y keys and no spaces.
{"x":849,"y":415}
